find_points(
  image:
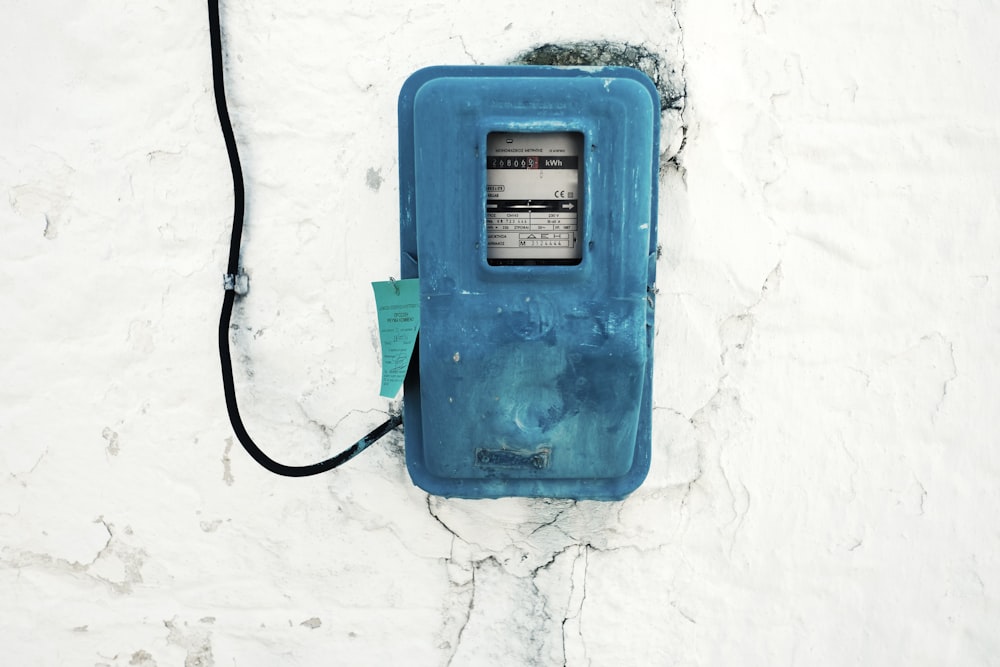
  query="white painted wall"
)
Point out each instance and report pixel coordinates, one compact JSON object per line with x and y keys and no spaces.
{"x":825,"y":474}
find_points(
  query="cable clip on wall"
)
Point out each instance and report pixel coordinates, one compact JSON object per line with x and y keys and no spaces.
{"x":528,"y":199}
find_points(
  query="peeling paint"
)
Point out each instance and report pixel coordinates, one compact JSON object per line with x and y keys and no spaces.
{"x":826,"y":349}
{"x":195,"y":641}
{"x":112,"y":439}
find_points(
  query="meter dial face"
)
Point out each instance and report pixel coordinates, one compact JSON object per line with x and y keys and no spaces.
{"x":533,"y":197}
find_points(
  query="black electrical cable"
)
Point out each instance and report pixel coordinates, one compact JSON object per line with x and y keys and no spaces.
{"x":233,"y":279}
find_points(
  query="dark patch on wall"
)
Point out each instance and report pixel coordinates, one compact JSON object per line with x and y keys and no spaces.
{"x":665,"y":74}
{"x":373,"y":179}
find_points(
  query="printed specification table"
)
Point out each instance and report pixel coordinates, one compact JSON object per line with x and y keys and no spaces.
{"x":531,"y":224}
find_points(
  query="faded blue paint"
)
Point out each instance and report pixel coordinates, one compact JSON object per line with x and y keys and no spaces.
{"x":529,"y":380}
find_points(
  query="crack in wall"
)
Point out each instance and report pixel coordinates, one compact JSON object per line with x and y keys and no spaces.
{"x":677,"y":159}
{"x":536,"y":589}
{"x":468,"y":589}
{"x":752,"y":14}
{"x":923,"y":495}
{"x":736,"y":330}
{"x":854,"y":471}
{"x":460,"y":586}
{"x":327,"y":432}
{"x":465,"y":48}
{"x":683,"y":613}
{"x":20,"y":480}
{"x":521,"y":591}
{"x":699,"y":471}
{"x":740,"y":515}
{"x":735,"y":333}
{"x":551,"y":522}
{"x":951,"y":377}
{"x":576,"y":616}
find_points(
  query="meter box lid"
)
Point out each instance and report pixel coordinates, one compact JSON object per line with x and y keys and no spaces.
{"x":528,"y":199}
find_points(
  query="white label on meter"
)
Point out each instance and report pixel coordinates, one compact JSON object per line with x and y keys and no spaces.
{"x":533,"y":197}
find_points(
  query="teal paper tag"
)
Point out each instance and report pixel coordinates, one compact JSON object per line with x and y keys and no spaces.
{"x":398,"y":323}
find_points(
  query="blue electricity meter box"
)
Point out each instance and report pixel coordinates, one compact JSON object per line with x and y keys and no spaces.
{"x":528,"y":200}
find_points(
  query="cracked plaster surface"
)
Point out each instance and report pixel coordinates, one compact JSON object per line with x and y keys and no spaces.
{"x":825,"y":363}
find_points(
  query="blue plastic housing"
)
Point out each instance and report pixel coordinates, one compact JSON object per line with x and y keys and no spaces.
{"x":529,"y":380}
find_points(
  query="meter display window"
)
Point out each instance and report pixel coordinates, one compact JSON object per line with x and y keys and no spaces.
{"x":533,"y":197}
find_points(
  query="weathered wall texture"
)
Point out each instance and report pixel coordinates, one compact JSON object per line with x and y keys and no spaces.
{"x":825,"y":473}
